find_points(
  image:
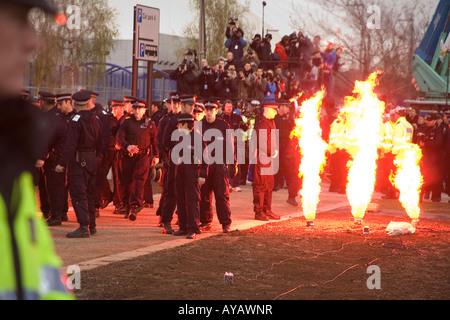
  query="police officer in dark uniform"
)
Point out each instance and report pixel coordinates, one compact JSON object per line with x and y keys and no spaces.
{"x":169,"y":203}
{"x":128,"y":102}
{"x":83,"y":144}
{"x":236,"y":122}
{"x":56,"y":181}
{"x":173,"y":109}
{"x":189,"y":176}
{"x":111,"y":158}
{"x":263,"y":181}
{"x":218,"y":172}
{"x":289,"y":159}
{"x":431,"y":142}
{"x":48,"y":106}
{"x":136,"y":142}
{"x":105,"y":119}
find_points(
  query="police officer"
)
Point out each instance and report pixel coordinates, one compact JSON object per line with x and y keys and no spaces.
{"x":169,"y":204}
{"x":128,"y":102}
{"x":135,"y":137}
{"x":338,"y":155}
{"x":105,"y":119}
{"x":432,"y":143}
{"x":289,"y":159}
{"x":172,"y":109}
{"x":263,"y":181}
{"x":28,"y":260}
{"x":189,"y":176}
{"x":114,"y":113}
{"x":218,"y":174}
{"x":236,"y":123}
{"x":47,"y":105}
{"x":83,"y":144}
{"x":56,"y":181}
{"x":401,"y":132}
{"x":199,"y":111}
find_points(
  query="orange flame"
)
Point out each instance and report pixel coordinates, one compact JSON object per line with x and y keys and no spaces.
{"x":408,"y":178}
{"x":313,"y":148}
{"x":363,"y":114}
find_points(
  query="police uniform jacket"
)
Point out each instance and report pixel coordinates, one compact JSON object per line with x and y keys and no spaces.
{"x":226,"y":138}
{"x":141,"y":133}
{"x":84,"y":134}
{"x":28,"y":261}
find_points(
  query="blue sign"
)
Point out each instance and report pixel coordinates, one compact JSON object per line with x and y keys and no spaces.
{"x":142,"y":49}
{"x":139,"y":15}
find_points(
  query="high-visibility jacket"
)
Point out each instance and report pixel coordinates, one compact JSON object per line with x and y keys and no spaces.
{"x":402,"y":134}
{"x":386,"y":139}
{"x":336,"y":136}
{"x":28,"y":262}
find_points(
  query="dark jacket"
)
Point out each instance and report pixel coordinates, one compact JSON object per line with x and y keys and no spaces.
{"x":84,"y":134}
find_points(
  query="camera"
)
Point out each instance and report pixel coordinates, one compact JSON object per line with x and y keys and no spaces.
{"x":232,"y":21}
{"x":206,"y":70}
{"x":191,"y":52}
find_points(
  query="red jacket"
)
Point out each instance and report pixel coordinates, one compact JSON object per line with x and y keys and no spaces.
{"x":279,"y":49}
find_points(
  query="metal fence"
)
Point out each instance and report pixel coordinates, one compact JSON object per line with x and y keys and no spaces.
{"x":116,"y":82}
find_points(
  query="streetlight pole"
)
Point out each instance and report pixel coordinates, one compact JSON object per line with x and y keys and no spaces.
{"x":263,"y":4}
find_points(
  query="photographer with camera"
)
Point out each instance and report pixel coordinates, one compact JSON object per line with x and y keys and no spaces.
{"x":243,"y":84}
{"x":186,"y":74}
{"x":251,"y":59}
{"x":226,"y":87}
{"x":271,"y":87}
{"x":264,"y":51}
{"x":205,"y":82}
{"x":259,"y":84}
{"x":235,"y":41}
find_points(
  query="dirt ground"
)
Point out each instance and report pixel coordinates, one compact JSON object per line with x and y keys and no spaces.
{"x":288,"y":261}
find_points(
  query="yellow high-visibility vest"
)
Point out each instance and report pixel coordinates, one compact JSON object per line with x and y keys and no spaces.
{"x":26,"y":249}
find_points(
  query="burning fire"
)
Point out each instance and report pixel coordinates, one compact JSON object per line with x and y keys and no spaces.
{"x":408,"y":178}
{"x":363,"y":114}
{"x":313,"y":148}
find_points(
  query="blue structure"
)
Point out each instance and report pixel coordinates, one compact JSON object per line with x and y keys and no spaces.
{"x":117,"y":81}
{"x":438,"y":25}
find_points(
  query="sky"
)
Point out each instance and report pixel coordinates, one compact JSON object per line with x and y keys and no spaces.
{"x":175,"y":14}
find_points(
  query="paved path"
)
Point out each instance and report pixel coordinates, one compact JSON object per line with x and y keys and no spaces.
{"x":119,"y":239}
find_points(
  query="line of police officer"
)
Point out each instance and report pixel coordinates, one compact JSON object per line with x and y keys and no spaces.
{"x":90,"y":140}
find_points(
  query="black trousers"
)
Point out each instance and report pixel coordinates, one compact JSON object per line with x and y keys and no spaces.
{"x":288,"y":169}
{"x":110,"y":161}
{"x":82,"y":187}
{"x":39,"y":181}
{"x":338,"y":170}
{"x":163,"y":192}
{"x":148,"y":188}
{"x":169,"y":202}
{"x":56,"y":190}
{"x":262,"y":190}
{"x":188,"y":197}
{"x":432,"y":174}
{"x":217,"y":182}
{"x":133,"y":174}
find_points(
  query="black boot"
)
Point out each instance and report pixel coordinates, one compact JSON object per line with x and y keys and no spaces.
{"x":81,"y":232}
{"x":167,"y":228}
{"x":52,"y":222}
{"x":180,"y":232}
{"x":133,"y":213}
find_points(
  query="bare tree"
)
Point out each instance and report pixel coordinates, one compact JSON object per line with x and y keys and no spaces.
{"x":379,"y":34}
{"x":87,"y":36}
{"x":217,"y":15}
